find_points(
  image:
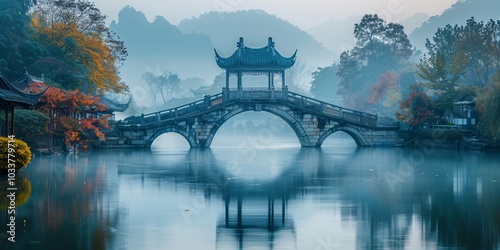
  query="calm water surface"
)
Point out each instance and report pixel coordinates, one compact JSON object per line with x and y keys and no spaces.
{"x":259,"y":198}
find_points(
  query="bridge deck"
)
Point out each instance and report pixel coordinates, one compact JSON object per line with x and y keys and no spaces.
{"x":258,"y":96}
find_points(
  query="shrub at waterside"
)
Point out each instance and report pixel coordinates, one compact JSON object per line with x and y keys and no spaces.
{"x":20,"y":151}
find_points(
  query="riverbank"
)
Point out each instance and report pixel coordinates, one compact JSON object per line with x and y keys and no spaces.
{"x":448,"y":139}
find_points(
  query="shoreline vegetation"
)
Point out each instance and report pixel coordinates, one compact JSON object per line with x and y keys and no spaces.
{"x":454,"y":80}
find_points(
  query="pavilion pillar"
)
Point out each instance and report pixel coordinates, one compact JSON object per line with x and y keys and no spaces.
{"x":272,"y":84}
{"x":6,"y":132}
{"x":269,"y":80}
{"x":272,"y":80}
{"x":12,"y":120}
{"x":227,"y":79}
{"x":283,"y":80}
{"x":240,"y":85}
{"x":239,"y":215}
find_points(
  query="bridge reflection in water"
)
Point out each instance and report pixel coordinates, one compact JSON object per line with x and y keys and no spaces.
{"x":255,"y":213}
{"x":132,"y":200}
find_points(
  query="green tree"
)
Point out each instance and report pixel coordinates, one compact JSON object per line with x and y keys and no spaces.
{"x":380,"y":47}
{"x":17,"y":50}
{"x":28,"y":124}
{"x":488,"y":102}
{"x":460,"y":61}
{"x":325,"y":82}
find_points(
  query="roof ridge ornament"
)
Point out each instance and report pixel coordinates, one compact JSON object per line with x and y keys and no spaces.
{"x":240,"y":44}
{"x":270,"y":42}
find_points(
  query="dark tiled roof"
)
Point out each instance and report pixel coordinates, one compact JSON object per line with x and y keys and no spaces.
{"x":113,"y":106}
{"x":9,"y":93}
{"x":248,"y":58}
{"x":24,"y":81}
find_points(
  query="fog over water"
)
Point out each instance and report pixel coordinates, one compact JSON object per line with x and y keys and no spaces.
{"x":251,"y":192}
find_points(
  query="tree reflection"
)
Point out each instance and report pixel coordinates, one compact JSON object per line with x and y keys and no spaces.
{"x":71,"y":203}
{"x":449,"y":201}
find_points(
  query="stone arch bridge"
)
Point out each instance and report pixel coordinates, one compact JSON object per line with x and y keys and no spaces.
{"x":198,"y":122}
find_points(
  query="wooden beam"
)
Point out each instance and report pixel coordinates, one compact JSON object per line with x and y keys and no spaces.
{"x":12,"y":120}
{"x":6,"y":132}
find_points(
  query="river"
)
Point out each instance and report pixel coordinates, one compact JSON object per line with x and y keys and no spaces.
{"x":259,"y":197}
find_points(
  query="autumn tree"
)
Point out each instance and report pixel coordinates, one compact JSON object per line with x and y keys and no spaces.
{"x":76,"y":34}
{"x":380,"y":48}
{"x":71,"y":114}
{"x":417,"y":108}
{"x":385,"y":94}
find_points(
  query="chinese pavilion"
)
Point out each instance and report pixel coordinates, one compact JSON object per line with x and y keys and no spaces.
{"x":10,"y":97}
{"x":261,"y":61}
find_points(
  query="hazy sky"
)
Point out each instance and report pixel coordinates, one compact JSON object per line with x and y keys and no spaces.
{"x":303,"y":13}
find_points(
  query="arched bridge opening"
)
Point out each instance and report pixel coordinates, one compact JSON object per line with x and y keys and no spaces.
{"x":293,"y":123}
{"x":354,"y":133}
{"x":339,"y":139}
{"x":254,"y":129}
{"x":170,"y":141}
{"x":171,"y":136}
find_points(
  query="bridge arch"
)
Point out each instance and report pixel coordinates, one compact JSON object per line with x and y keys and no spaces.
{"x":290,"y":120}
{"x":173,"y":129}
{"x":353,"y":132}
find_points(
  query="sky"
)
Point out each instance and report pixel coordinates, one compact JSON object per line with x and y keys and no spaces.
{"x":303,"y":13}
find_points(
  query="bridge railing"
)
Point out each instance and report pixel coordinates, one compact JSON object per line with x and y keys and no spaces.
{"x":333,"y":110}
{"x":252,"y":94}
{"x":207,"y":102}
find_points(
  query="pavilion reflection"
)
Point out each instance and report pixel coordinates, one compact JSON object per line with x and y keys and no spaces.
{"x":252,"y":221}
{"x":256,"y":212}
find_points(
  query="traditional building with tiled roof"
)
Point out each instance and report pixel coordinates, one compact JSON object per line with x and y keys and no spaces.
{"x":10,"y":97}
{"x":261,"y":61}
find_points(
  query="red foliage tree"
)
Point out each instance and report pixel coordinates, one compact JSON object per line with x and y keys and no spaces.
{"x":417,"y":109}
{"x":71,"y":113}
{"x":386,"y":81}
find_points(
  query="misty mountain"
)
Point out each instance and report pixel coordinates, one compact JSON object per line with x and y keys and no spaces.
{"x":458,"y":13}
{"x":159,"y":46}
{"x":255,"y":26}
{"x":413,"y":22}
{"x":338,"y":36}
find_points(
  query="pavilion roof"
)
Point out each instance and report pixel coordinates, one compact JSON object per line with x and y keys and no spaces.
{"x":255,"y":58}
{"x":112,"y":105}
{"x":26,"y":80}
{"x":11,"y":94}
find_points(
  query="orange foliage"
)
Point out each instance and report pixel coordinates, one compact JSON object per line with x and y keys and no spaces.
{"x":417,"y":109}
{"x":88,"y":48}
{"x":386,"y":81}
{"x":61,"y":105}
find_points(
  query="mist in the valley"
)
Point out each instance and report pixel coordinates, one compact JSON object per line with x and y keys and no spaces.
{"x":183,"y":56}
